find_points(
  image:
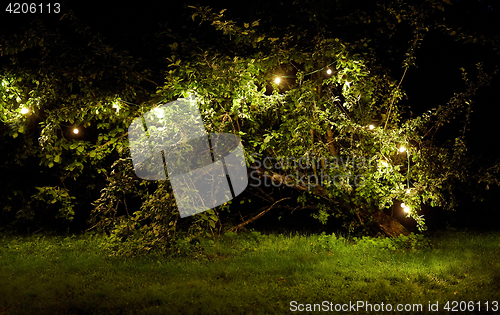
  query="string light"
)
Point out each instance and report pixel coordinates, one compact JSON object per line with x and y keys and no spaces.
{"x":406,"y":209}
{"x":402,"y":149}
{"x":24,"y":110}
{"x":116,"y":106}
{"x":126,"y":103}
{"x":158,"y":112}
{"x":328,"y":71}
{"x":371,"y":127}
{"x":76,"y":131}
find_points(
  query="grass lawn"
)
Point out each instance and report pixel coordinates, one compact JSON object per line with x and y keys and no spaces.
{"x":251,"y":274}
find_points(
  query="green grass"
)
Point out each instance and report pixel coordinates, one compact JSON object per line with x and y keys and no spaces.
{"x":245,"y":274}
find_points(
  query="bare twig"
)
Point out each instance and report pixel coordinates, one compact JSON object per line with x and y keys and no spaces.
{"x":392,"y":101}
{"x":242,"y":224}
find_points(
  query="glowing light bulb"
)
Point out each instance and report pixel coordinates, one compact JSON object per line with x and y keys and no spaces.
{"x":158,"y":112}
{"x":329,"y":71}
{"x":24,"y":110}
{"x":76,"y":131}
{"x":277,"y":80}
{"x":402,"y":149}
{"x":371,"y":127}
{"x":117,"y":107}
{"x":406,"y":209}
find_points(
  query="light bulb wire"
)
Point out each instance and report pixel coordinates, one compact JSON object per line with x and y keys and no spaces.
{"x":408,"y":171}
{"x":321,"y":69}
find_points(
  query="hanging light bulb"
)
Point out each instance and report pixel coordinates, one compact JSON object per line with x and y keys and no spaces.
{"x":406,"y":209}
{"x":402,"y":149}
{"x":371,"y":127}
{"x":76,"y":131}
{"x":116,"y":106}
{"x":24,"y":110}
{"x":329,"y":71}
{"x":277,"y":80}
{"x":158,"y":112}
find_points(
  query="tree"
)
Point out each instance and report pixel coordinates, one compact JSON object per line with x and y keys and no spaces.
{"x":335,"y":114}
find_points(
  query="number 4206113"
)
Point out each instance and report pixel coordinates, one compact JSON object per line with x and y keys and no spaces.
{"x":33,"y":8}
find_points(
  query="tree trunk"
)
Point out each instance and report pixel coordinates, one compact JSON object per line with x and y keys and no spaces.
{"x":387,"y":224}
{"x":390,"y":226}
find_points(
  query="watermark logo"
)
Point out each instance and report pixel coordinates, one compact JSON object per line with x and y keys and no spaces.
{"x":205,"y":170}
{"x":307,"y":173}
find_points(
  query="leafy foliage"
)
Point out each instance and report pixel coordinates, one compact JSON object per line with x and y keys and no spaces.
{"x":334,"y":83}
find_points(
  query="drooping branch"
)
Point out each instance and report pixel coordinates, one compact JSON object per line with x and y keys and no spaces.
{"x":262,"y":210}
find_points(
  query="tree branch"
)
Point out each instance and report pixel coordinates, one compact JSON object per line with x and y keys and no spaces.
{"x":242,"y":224}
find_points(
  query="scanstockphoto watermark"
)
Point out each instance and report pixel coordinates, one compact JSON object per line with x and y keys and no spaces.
{"x":309,"y":172}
